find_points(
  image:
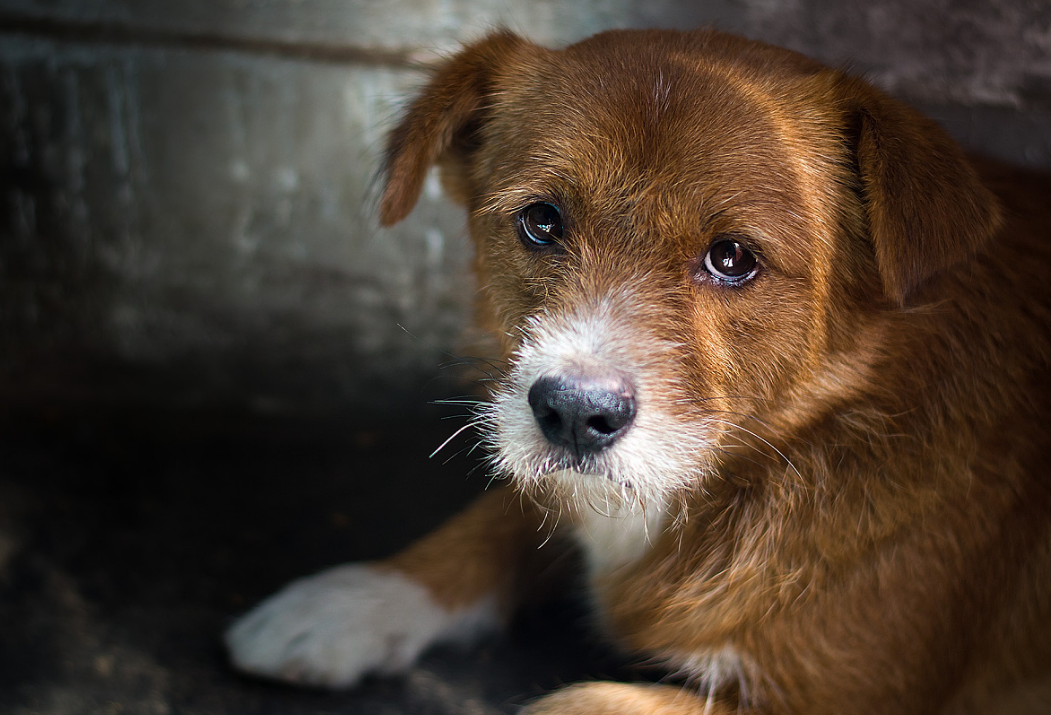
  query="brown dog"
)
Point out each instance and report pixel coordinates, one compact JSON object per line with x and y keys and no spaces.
{"x":778,"y":365}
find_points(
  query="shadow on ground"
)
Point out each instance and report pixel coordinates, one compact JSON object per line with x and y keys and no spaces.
{"x":128,"y":542}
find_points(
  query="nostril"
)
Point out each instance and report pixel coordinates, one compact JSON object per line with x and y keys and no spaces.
{"x":547,"y":417}
{"x":602,"y":425}
{"x":584,"y":413}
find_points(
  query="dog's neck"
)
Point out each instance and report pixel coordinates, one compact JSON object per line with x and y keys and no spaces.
{"x":611,"y":541}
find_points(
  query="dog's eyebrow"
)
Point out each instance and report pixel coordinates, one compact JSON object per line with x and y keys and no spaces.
{"x":509,"y":200}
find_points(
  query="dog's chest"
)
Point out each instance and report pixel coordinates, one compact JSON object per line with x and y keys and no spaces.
{"x":612,"y":543}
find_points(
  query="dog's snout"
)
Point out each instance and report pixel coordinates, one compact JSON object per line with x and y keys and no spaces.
{"x":582,"y":413}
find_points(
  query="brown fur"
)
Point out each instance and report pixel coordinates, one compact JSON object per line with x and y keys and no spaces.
{"x":871,"y":532}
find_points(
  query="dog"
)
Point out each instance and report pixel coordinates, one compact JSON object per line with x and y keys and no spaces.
{"x":778,"y":368}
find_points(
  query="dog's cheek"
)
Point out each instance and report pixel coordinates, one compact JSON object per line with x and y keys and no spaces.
{"x":752,"y":344}
{"x":513,"y":284}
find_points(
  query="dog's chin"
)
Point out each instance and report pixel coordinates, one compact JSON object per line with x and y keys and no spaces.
{"x":585,"y":487}
{"x":578,"y":492}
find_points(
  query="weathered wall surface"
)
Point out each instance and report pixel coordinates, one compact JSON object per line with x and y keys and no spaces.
{"x":186,"y":188}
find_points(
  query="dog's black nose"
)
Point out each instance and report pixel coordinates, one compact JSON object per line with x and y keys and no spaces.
{"x":583,"y":413}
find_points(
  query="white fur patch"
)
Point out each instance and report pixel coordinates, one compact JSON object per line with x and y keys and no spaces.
{"x":613,"y":541}
{"x":714,"y":670}
{"x":660,"y":453}
{"x":332,"y":628}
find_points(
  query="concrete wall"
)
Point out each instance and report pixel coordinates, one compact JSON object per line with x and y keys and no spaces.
{"x":186,"y":187}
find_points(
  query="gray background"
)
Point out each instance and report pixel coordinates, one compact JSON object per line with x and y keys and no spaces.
{"x":187,"y":187}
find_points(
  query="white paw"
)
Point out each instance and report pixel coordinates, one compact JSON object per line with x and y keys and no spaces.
{"x":332,"y":628}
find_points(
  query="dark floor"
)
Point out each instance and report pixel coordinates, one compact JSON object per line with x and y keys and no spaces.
{"x":128,"y":542}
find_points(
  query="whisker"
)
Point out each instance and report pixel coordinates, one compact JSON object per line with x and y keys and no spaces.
{"x":492,"y":375}
{"x":713,"y":398}
{"x":749,"y":416}
{"x":727,"y":452}
{"x":497,"y":367}
{"x":454,"y":455}
{"x":495,"y":363}
{"x":551,"y":531}
{"x":465,"y":400}
{"x":453,"y":436}
{"x":764,"y":441}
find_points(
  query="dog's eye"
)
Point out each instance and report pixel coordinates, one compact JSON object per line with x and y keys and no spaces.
{"x":730,"y":262}
{"x":540,"y":225}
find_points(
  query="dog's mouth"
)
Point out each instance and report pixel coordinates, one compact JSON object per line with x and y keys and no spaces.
{"x":571,"y":467}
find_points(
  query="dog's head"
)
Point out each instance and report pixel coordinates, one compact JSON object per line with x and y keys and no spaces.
{"x":686,"y":241}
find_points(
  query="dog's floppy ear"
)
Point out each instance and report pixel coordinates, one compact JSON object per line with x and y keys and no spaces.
{"x":927,"y":209}
{"x":447,"y":108}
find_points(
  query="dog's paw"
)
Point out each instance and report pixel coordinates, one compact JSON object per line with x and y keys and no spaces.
{"x":332,"y":628}
{"x":623,"y":699}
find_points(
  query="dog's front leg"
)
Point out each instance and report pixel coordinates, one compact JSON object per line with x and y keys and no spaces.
{"x":603,"y":698}
{"x":332,"y":628}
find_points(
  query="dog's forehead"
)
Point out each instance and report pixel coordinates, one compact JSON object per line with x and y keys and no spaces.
{"x":685,"y":124}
